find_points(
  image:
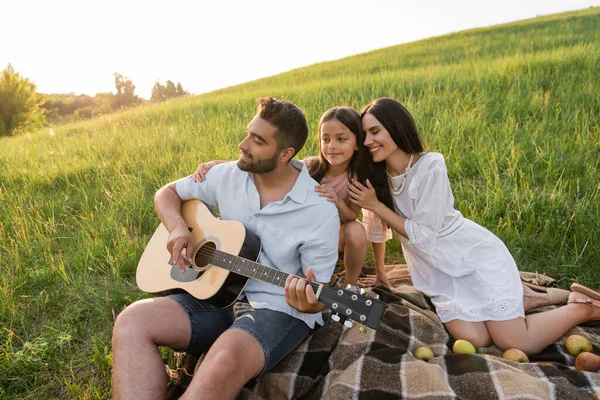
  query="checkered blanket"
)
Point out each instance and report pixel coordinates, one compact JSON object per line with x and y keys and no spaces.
{"x":337,"y":362}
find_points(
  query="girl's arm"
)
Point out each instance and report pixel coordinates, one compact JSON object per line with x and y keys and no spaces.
{"x":200,"y":173}
{"x":348,"y":212}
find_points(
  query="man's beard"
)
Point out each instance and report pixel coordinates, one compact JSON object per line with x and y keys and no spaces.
{"x":259,"y":167}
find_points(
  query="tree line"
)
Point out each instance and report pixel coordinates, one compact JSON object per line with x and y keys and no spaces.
{"x":23,"y":108}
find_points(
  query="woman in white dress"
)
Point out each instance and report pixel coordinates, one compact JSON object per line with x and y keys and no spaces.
{"x":466,"y":270}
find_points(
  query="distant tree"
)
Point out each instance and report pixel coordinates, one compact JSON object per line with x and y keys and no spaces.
{"x":69,"y":106}
{"x":158,"y":93}
{"x":179,"y":90}
{"x":66,"y":104}
{"x":19,"y":103}
{"x":104,"y":102}
{"x":168,"y":91}
{"x":125,"y":96}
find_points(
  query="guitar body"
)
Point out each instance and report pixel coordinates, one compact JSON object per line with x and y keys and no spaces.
{"x":223,"y":258}
{"x":203,"y":280}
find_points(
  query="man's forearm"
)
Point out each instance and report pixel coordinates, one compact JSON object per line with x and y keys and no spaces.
{"x":168,"y":207}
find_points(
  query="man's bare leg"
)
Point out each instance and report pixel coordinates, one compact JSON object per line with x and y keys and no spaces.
{"x":234,"y":359}
{"x":138,"y":369}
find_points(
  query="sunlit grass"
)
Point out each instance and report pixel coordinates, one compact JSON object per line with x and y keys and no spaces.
{"x":515,"y":109}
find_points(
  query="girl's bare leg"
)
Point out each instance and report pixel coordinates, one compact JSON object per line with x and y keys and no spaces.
{"x":353,"y":242}
{"x":379,"y":256}
{"x":380,"y":276}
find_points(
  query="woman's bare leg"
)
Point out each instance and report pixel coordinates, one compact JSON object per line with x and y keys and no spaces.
{"x":535,"y":332}
{"x":474,"y":332}
{"x":533,"y":299}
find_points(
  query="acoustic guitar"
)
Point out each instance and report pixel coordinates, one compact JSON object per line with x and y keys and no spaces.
{"x":223,"y":259}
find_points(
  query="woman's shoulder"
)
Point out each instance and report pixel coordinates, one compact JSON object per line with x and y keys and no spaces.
{"x":431,"y":160}
{"x":423,"y":170}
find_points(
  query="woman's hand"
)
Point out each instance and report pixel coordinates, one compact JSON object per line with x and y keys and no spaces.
{"x":363,"y":196}
{"x":203,"y":168}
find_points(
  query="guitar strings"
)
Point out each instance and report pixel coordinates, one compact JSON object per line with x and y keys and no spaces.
{"x":327,"y":292}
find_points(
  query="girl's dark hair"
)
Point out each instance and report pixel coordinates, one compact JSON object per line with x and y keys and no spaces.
{"x":402,"y":128}
{"x":359,"y":163}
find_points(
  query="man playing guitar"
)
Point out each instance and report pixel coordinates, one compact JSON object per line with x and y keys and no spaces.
{"x":273,"y":195}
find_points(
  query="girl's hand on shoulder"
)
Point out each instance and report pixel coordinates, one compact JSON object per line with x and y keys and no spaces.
{"x":329,"y":193}
{"x":203,"y":168}
{"x":363,"y":196}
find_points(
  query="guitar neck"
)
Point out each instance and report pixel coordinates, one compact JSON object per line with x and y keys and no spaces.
{"x":251,"y":269}
{"x":348,"y":304}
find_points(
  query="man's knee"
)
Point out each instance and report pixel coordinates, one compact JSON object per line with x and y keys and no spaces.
{"x":130,"y":322}
{"x":236,"y":352}
{"x":160,"y":320}
{"x":225,"y":361}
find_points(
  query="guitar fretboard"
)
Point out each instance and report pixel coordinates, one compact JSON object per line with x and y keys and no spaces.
{"x":251,"y":269}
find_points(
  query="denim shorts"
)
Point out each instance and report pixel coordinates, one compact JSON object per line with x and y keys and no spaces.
{"x":277,"y":333}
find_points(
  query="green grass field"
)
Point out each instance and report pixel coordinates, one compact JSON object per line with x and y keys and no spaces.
{"x":514,"y":108}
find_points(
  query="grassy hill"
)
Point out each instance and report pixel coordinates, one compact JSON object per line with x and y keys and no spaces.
{"x":514,"y":108}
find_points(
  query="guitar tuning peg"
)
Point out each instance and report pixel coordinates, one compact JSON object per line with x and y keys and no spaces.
{"x":348,"y":287}
{"x":362,"y":291}
{"x":363,"y":329}
{"x":376,"y":297}
{"x":335,"y":317}
{"x":348,"y":323}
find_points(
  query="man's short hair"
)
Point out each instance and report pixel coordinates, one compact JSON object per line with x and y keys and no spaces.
{"x":292,"y":129}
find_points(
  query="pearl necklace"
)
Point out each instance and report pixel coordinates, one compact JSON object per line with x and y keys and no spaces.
{"x":399,"y":190}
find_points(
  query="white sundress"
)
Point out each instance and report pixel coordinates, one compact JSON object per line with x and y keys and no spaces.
{"x":466,"y":270}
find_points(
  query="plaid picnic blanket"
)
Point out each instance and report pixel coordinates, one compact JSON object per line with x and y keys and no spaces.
{"x":337,"y":362}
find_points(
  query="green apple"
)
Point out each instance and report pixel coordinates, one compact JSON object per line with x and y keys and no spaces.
{"x":576,"y":344}
{"x":515,"y":355}
{"x":423,"y":353}
{"x":463,"y":347}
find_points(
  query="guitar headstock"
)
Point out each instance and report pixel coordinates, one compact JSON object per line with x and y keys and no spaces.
{"x":350,"y":305}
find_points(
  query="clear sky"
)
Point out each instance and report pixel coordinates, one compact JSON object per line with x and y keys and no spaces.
{"x":76,"y":45}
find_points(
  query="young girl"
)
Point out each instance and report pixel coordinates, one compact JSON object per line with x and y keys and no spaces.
{"x":342,"y":159}
{"x":466,"y":270}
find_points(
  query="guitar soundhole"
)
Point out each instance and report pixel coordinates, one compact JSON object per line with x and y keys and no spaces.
{"x":203,"y":254}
